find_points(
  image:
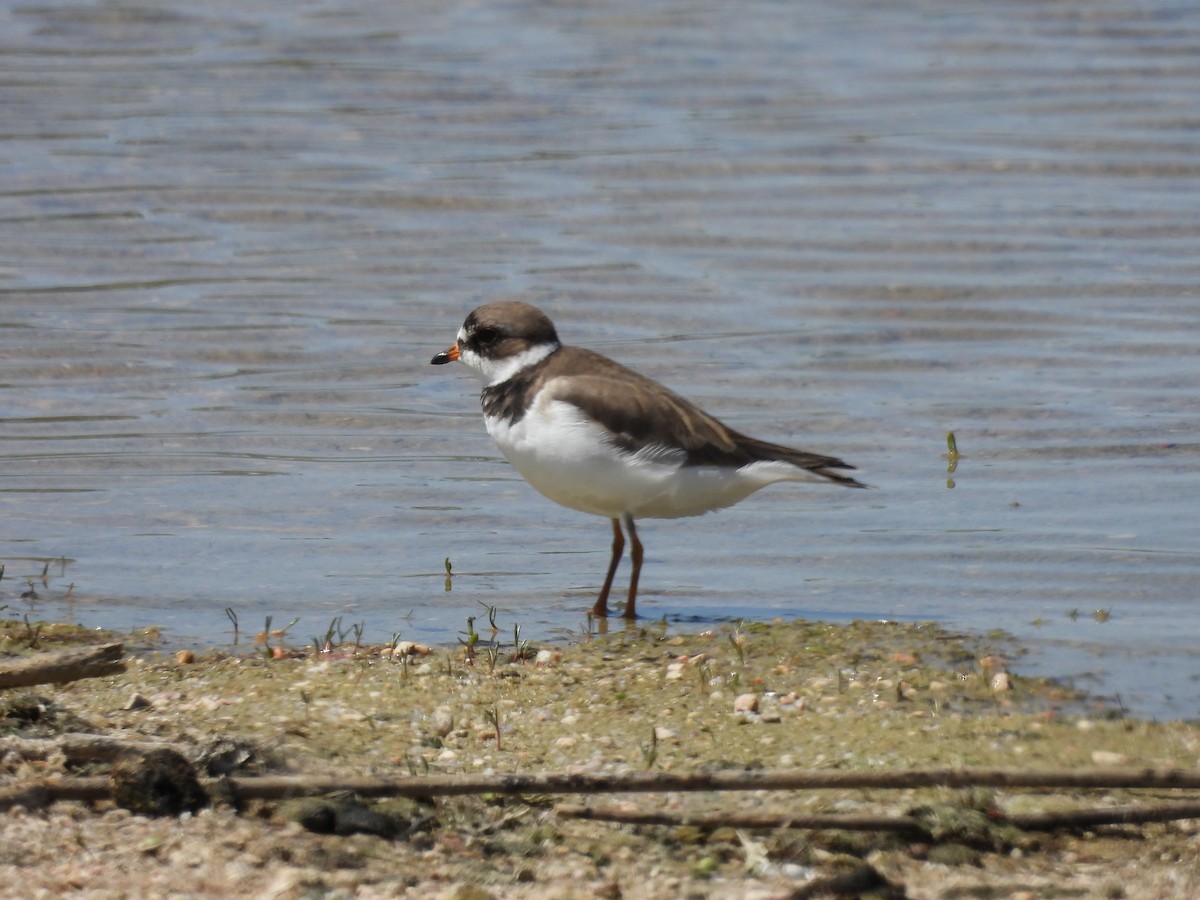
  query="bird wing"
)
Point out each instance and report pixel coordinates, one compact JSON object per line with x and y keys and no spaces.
{"x":644,"y":416}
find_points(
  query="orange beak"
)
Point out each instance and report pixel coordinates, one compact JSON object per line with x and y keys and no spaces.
{"x":450,"y":354}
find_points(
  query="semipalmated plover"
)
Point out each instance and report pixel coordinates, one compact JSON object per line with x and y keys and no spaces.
{"x":595,"y":436}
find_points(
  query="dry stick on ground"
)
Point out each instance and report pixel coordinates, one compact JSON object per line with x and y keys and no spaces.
{"x":844,"y":822}
{"x":1074,"y":818}
{"x":62,"y":665}
{"x":80,"y":748}
{"x":757,"y":780}
{"x":277,"y":787}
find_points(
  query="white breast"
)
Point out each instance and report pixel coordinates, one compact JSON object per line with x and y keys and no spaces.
{"x":570,"y":459}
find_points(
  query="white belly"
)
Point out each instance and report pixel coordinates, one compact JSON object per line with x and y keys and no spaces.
{"x":566,"y":457}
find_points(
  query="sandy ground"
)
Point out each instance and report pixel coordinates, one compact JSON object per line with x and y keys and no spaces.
{"x":873,"y":696}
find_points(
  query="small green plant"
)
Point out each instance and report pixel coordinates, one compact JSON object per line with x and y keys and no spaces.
{"x":650,"y":749}
{"x":738,"y":642}
{"x":952,"y":454}
{"x":491,"y":617}
{"x":267,"y":633}
{"x":32,"y":634}
{"x":470,"y":641}
{"x":335,"y":636}
{"x":493,"y":717}
{"x":521,"y":649}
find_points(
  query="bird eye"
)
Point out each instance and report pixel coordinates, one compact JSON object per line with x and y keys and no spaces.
{"x":486,"y":336}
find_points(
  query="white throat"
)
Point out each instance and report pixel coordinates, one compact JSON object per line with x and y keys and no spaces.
{"x":498,"y":371}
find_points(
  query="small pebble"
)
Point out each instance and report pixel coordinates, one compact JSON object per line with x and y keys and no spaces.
{"x":442,"y":721}
{"x":744,"y":703}
{"x":406,"y":648}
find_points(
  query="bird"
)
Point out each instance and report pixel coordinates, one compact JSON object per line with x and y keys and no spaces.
{"x":600,"y":438}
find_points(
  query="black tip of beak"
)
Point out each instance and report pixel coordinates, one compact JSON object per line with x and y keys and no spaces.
{"x":441,"y":359}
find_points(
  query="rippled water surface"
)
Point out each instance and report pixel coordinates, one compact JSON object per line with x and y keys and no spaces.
{"x":232,"y":236}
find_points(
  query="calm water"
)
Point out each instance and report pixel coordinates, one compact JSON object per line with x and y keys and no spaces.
{"x":231,"y":239}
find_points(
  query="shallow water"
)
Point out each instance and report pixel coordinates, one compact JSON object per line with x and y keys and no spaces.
{"x":230,"y":241}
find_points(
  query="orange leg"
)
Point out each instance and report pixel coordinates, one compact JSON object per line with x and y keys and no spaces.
{"x":635,"y":554}
{"x":618,"y":547}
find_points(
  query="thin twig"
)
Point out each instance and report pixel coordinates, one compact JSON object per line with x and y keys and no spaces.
{"x":769,"y":821}
{"x":756,"y":780}
{"x":61,"y":666}
{"x":1049,"y":821}
{"x":79,"y":748}
{"x":1117,"y":815}
{"x":273,"y":787}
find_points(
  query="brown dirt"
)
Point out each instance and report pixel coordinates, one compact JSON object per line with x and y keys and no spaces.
{"x":864,"y":695}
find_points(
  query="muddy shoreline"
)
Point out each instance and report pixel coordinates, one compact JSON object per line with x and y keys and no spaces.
{"x":784,"y":695}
